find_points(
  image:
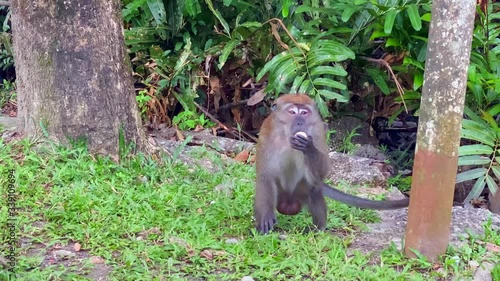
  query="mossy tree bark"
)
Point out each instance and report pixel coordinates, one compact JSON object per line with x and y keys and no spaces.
{"x":73,"y":74}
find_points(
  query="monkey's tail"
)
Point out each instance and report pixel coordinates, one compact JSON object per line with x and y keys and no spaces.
{"x":363,"y":203}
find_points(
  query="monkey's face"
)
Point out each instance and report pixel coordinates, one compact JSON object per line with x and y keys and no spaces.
{"x":296,"y":118}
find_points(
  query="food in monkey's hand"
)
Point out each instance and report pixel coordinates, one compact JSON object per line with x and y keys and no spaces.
{"x":303,"y":134}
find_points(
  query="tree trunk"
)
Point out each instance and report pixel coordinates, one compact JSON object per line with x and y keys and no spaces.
{"x":436,"y":154}
{"x":74,"y":78}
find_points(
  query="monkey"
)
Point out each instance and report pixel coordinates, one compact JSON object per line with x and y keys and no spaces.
{"x":292,"y":163}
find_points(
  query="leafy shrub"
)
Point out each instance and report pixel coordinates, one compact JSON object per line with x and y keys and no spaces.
{"x":484,"y":155}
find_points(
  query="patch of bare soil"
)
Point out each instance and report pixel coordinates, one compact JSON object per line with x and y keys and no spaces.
{"x":392,"y":226}
{"x":69,"y":257}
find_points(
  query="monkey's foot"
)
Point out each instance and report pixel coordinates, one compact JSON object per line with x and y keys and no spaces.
{"x":267,"y":222}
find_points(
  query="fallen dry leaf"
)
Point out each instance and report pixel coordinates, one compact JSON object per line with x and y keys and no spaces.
{"x":198,"y":128}
{"x":183,"y":243}
{"x":490,"y":246}
{"x":207,"y":254}
{"x":180,"y":136}
{"x":257,"y":97}
{"x":96,"y":260}
{"x":252,"y":158}
{"x":210,"y":253}
{"x":242,"y":156}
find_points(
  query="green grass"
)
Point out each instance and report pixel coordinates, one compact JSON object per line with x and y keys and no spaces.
{"x":160,"y":220}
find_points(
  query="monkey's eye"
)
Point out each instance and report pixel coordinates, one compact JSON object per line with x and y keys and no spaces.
{"x":303,"y":111}
{"x":293,"y":111}
{"x":273,"y":106}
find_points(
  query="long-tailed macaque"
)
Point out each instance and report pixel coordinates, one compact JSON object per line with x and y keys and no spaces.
{"x":292,"y":163}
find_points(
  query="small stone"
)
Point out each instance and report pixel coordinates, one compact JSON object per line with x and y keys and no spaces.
{"x":483,"y":273}
{"x":63,"y":254}
{"x":247,"y":278}
{"x":232,"y":241}
{"x":96,"y":260}
{"x":473,"y":265}
{"x":225,"y":188}
{"x":441,"y":272}
{"x":282,"y":237}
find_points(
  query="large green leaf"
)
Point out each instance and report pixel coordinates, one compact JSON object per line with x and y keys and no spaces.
{"x":492,"y":185}
{"x":322,"y":57}
{"x":158,"y":11}
{"x":476,"y":191}
{"x":218,"y":16}
{"x":414,"y":16}
{"x":297,"y":82}
{"x":347,"y":13}
{"x":475,"y":149}
{"x":331,"y":70}
{"x":276,"y":61}
{"x":389,"y":20}
{"x":323,"y":109}
{"x":192,"y":7}
{"x":485,"y":137}
{"x":307,"y":9}
{"x":471,"y":174}
{"x":496,"y":171}
{"x":379,"y":80}
{"x":329,"y":83}
{"x":181,"y":62}
{"x":305,"y":87}
{"x":473,"y":160}
{"x":334,"y":48}
{"x":329,"y":95}
{"x":489,"y":118}
{"x":474,"y":117}
{"x":494,"y":110}
{"x":285,"y":72}
{"x":418,"y":80}
{"x":227,"y":51}
{"x":131,"y":8}
{"x":286,"y":7}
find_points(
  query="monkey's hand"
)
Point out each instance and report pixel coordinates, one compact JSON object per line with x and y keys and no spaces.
{"x":304,"y":144}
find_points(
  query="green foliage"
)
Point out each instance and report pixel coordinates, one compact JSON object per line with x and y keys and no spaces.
{"x":455,"y":262}
{"x":6,"y":56}
{"x":484,"y":155}
{"x":310,"y":69}
{"x":392,"y":20}
{"x":495,"y":273}
{"x":7,"y":92}
{"x":402,"y":183}
{"x":190,"y":120}
{"x":347,"y":145}
{"x":142,"y":99}
{"x":483,"y":85}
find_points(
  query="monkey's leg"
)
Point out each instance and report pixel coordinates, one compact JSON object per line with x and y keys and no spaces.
{"x":264,"y":205}
{"x":317,"y":207}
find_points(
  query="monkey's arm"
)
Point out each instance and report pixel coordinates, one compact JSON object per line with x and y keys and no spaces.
{"x":362,"y":202}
